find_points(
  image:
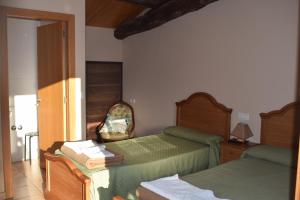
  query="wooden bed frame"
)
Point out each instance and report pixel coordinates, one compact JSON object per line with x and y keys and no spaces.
{"x":200,"y":111}
{"x":284,"y":121}
{"x":278,"y":128}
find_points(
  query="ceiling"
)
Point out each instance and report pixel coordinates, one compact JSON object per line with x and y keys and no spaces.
{"x":110,"y":13}
{"x":129,"y":17}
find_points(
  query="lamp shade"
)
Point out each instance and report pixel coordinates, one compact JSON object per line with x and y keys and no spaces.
{"x":242,"y":131}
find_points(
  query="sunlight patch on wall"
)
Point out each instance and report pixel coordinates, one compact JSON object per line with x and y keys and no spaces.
{"x":79,"y":134}
{"x":23,"y":115}
{"x":26,"y":112}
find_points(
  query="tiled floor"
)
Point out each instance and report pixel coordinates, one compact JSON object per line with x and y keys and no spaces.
{"x":28,"y":181}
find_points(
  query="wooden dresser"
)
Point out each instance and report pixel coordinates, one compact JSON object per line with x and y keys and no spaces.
{"x":232,"y":151}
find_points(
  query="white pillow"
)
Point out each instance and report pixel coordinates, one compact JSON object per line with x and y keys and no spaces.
{"x":116,"y":125}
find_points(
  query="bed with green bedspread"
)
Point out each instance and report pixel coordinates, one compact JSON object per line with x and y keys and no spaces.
{"x":176,"y":150}
{"x":263,"y":173}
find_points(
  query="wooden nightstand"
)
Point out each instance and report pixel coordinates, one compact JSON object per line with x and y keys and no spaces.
{"x":232,"y":151}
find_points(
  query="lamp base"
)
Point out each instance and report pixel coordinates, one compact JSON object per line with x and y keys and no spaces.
{"x":237,"y":141}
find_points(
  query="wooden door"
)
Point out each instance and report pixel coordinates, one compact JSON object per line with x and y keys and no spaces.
{"x":51,"y":87}
{"x":103,"y":89}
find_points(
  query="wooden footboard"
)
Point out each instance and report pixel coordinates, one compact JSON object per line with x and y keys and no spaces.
{"x":64,"y":181}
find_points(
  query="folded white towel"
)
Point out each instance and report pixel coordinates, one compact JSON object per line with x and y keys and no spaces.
{"x":175,"y":189}
{"x":97,"y":152}
{"x":88,"y":153}
{"x":79,"y":146}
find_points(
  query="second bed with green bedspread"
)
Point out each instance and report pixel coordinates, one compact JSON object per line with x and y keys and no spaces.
{"x":263,"y":173}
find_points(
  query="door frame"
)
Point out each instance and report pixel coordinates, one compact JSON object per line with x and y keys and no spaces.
{"x":69,"y":20}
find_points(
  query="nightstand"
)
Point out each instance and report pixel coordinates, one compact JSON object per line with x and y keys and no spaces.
{"x":232,"y":151}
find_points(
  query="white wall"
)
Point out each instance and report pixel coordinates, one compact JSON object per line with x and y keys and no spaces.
{"x":76,"y":7}
{"x":101,"y":45}
{"x":243,"y":52}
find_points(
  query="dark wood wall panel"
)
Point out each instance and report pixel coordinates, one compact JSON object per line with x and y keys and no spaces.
{"x":103,"y":89}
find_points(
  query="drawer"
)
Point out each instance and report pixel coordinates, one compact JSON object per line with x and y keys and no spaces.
{"x":229,"y":153}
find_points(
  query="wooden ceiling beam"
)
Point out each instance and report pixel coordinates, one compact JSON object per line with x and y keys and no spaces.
{"x":157,"y":16}
{"x":148,"y":3}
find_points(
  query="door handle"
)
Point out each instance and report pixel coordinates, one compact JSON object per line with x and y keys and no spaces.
{"x":13,"y":128}
{"x":38,"y":101}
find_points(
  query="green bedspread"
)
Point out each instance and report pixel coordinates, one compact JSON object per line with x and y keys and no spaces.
{"x":247,"y":179}
{"x":147,"y":158}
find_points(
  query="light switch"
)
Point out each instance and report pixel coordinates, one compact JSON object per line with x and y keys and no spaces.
{"x":132,"y":100}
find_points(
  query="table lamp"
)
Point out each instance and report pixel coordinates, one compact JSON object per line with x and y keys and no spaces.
{"x":241,"y":133}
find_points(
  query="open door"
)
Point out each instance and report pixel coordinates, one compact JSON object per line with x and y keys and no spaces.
{"x":51,"y":87}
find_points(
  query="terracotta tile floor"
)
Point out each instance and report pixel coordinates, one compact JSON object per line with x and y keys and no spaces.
{"x":28,"y":181}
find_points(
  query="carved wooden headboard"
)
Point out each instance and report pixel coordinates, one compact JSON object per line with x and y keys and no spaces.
{"x":201,"y":111}
{"x":281,"y":127}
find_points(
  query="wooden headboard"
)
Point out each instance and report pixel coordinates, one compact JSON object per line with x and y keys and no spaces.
{"x":201,"y":111}
{"x":281,"y":127}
